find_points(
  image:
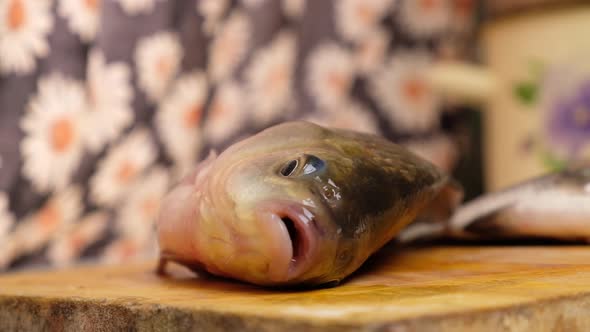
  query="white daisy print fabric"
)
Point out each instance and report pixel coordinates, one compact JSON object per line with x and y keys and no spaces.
{"x":330,"y":74}
{"x":69,"y":244}
{"x":226,"y":113}
{"x":24,"y":26}
{"x":109,"y":92}
{"x":158,"y":59}
{"x":82,"y":16}
{"x":425,"y":18}
{"x":370,"y":52}
{"x":212,"y":11}
{"x":136,"y":7}
{"x":354,"y":117}
{"x":138,"y":214}
{"x":105,"y":104}
{"x":6,"y":217}
{"x":293,"y":9}
{"x":125,"y":250}
{"x":121,"y":167}
{"x":270,"y":74}
{"x":38,"y":228}
{"x":357,"y":19}
{"x":229,"y":46}
{"x":53,"y":127}
{"x":439,"y":150}
{"x":405,"y":94}
{"x":179,"y":117}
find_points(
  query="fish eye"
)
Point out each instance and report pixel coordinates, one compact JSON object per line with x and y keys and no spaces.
{"x":312,"y":164}
{"x":309,"y":164}
{"x":289,"y":168}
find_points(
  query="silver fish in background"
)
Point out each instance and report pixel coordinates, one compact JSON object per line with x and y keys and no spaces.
{"x":299,"y":204}
{"x":555,"y":206}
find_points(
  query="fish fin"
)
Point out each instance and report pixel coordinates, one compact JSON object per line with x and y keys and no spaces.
{"x":161,"y":267}
{"x":444,"y":204}
{"x":491,"y":216}
{"x":421,"y":230}
{"x":433,"y":220}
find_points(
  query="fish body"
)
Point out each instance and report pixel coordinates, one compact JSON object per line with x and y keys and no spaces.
{"x":553,"y":206}
{"x":303,"y":204}
{"x":299,"y":204}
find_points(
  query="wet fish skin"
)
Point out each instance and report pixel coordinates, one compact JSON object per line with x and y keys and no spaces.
{"x":297,"y":204}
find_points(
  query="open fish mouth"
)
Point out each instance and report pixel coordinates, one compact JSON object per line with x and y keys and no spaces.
{"x":293,"y":237}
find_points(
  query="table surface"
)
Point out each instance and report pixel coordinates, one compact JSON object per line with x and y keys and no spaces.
{"x":438,"y":288}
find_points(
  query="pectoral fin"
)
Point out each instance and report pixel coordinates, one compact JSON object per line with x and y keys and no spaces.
{"x":432,"y":222}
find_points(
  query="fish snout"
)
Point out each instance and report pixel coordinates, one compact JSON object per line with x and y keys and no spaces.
{"x":293,"y":239}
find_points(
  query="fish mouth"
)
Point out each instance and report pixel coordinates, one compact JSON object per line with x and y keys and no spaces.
{"x":292,"y":233}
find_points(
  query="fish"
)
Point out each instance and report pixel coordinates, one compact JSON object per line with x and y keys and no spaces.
{"x":299,"y":204}
{"x":302,"y":204}
{"x":551,"y":206}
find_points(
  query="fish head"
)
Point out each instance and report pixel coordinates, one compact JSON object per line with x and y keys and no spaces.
{"x":296,"y":203}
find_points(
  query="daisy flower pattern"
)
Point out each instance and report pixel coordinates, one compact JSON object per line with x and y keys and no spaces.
{"x":212,"y":11}
{"x":402,"y":90}
{"x":370,"y":51}
{"x":425,"y":18}
{"x":24,"y":26}
{"x":270,"y":75}
{"x":253,"y":3}
{"x":9,"y":250}
{"x":121,"y":167}
{"x":354,"y":117}
{"x":53,"y":132}
{"x":356,"y":19}
{"x":135,"y":7}
{"x":70,"y":244}
{"x":178,"y":119}
{"x":158,"y":60}
{"x":293,"y":8}
{"x":137,"y":216}
{"x":226,"y":113}
{"x":58,"y":213}
{"x":6,"y":218}
{"x":330,"y":71}
{"x":229,"y":46}
{"x":124,"y":250}
{"x":439,"y":150}
{"x":109,"y":95}
{"x":82,"y":16}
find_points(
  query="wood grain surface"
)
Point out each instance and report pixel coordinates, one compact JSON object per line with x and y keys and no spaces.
{"x":441,"y":288}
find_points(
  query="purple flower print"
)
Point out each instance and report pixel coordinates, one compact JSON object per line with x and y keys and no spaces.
{"x":568,"y":122}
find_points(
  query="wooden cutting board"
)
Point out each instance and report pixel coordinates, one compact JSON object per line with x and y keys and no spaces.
{"x":443,"y":288}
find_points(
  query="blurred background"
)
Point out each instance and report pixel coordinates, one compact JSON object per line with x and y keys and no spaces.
{"x":104,"y":104}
